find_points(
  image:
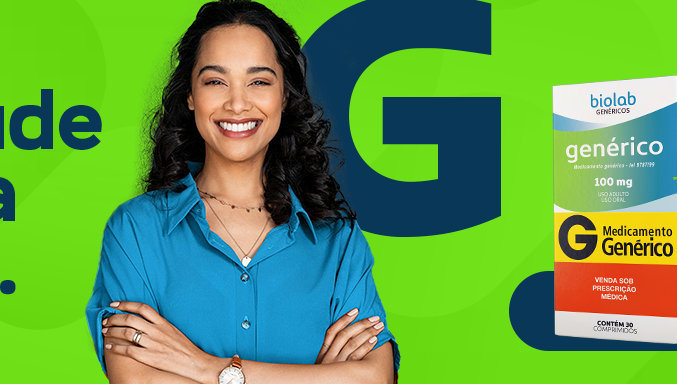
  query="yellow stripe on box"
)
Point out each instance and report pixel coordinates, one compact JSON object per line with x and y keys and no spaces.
{"x":620,"y":237}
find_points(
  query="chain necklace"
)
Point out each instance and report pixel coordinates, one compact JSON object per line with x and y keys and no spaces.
{"x":233,"y":206}
{"x":246,"y":259}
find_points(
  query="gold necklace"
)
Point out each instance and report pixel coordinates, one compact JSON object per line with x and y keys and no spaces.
{"x":246,"y":259}
{"x":223,"y":202}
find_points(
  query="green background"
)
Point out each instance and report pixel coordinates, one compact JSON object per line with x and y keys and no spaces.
{"x":447,"y":296}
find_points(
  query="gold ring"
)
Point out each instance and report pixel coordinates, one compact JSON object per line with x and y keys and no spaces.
{"x":137,"y":337}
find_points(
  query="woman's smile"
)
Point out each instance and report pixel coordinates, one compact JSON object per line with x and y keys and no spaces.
{"x":239,"y":129}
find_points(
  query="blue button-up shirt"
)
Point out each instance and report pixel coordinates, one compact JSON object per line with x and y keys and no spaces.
{"x":158,"y":249}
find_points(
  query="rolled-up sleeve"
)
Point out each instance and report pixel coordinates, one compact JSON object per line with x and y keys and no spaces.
{"x":121,"y":276}
{"x":355,"y":287}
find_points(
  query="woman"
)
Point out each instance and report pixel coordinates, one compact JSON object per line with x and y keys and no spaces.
{"x":240,"y":242}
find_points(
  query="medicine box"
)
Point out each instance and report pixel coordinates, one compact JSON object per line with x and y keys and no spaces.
{"x":615,"y":195}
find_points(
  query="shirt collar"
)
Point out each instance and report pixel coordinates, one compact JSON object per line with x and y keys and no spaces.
{"x":179,"y":204}
{"x":296,"y":211}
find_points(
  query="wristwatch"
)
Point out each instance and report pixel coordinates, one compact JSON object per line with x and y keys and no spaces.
{"x":232,"y":374}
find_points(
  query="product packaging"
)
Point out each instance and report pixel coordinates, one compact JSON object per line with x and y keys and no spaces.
{"x":615,"y":193}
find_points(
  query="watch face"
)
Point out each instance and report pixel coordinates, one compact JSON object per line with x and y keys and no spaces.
{"x":231,"y":375}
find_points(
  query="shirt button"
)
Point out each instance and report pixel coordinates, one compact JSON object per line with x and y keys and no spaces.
{"x":246,"y":324}
{"x":244,"y":277}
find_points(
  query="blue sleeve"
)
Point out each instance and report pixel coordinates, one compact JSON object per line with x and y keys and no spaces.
{"x":355,"y":286}
{"x":121,"y":276}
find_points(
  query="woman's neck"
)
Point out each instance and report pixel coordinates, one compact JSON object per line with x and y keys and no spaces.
{"x":238,"y":183}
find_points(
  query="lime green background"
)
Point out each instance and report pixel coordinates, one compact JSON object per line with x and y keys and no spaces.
{"x":447,"y":296}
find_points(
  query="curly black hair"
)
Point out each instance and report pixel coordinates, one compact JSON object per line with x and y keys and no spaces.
{"x":298,"y":156}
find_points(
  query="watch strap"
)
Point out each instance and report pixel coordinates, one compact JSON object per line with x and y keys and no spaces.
{"x":237,"y":362}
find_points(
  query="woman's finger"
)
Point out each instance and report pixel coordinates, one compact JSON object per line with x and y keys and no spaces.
{"x":339,"y":325}
{"x":333,"y":330}
{"x":130,"y":335}
{"x":126,"y":320}
{"x":142,"y":355}
{"x":365,"y":348}
{"x":346,"y":334}
{"x":359,"y":345}
{"x":159,"y":345}
{"x":323,"y":351}
{"x":146,"y":311}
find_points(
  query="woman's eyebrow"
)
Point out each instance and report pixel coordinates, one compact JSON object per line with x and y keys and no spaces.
{"x":224,"y":71}
{"x":252,"y":70}
{"x":216,"y":68}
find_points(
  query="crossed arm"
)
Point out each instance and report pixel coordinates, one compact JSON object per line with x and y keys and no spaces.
{"x":165,"y":355}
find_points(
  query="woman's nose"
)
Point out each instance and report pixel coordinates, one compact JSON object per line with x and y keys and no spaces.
{"x":237,"y":102}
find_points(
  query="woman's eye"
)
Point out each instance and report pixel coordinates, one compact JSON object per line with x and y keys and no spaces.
{"x":213,"y":82}
{"x":260,"y":82}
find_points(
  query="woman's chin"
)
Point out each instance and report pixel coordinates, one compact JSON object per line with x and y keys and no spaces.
{"x":242,"y":157}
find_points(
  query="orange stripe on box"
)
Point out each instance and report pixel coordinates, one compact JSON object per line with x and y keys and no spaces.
{"x":655,"y":289}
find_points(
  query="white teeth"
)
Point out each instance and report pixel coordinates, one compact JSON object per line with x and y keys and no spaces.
{"x":238,"y":127}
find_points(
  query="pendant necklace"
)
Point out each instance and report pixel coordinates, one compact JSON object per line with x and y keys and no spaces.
{"x":246,"y":259}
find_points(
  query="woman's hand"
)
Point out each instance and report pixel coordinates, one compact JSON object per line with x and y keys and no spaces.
{"x":343,"y":342}
{"x":159,"y":345}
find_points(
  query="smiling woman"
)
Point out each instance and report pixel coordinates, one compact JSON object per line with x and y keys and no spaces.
{"x":241,"y":259}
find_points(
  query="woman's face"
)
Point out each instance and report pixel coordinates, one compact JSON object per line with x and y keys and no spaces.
{"x":237,"y":93}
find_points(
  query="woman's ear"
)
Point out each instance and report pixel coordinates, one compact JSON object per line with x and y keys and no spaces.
{"x":191,"y":105}
{"x":284,"y":100}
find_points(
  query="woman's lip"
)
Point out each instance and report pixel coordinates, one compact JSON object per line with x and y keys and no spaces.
{"x":238,"y":135}
{"x":239,"y":127}
{"x":238,"y":121}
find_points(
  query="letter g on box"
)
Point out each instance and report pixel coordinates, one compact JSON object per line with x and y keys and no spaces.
{"x":590,"y":240}
{"x":468,"y":190}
